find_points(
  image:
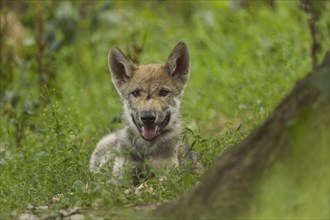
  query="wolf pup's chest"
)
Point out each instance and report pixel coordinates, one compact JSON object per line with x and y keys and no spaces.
{"x":143,"y":150}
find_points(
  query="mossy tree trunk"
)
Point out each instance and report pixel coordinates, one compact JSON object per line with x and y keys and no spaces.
{"x":281,"y":170}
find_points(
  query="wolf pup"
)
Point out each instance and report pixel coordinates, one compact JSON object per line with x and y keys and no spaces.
{"x":152,"y":136}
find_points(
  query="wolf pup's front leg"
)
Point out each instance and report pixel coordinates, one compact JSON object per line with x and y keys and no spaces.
{"x":104,"y":152}
{"x":110,"y":150}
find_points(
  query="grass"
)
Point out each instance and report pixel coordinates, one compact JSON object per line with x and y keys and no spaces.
{"x":244,"y":61}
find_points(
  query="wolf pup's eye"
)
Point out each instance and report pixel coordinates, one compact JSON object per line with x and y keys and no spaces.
{"x":164,"y":92}
{"x":136,"y":93}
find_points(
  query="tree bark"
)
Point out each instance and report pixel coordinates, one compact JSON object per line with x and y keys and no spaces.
{"x":280,"y":170}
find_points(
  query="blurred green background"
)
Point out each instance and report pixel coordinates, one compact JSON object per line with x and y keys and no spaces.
{"x":57,"y":99}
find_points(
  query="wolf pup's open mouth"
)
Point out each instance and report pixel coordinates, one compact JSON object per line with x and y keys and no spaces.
{"x":150,"y":132}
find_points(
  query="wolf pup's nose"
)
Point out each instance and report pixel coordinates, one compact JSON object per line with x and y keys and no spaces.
{"x":147,"y":117}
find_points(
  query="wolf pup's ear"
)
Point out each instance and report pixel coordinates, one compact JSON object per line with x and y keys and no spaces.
{"x":121,"y":68}
{"x":179,"y":62}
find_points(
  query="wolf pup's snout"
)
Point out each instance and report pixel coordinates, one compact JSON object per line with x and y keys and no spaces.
{"x":149,"y":129}
{"x":148,"y":117}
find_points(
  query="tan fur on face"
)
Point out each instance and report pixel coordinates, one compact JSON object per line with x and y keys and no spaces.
{"x":150,"y":79}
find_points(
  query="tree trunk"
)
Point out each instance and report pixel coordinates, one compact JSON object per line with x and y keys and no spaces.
{"x":281,"y":170}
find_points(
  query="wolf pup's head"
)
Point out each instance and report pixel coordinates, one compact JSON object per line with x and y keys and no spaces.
{"x":151,"y":93}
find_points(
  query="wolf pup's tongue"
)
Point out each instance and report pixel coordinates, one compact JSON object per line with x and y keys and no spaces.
{"x":149,"y":132}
